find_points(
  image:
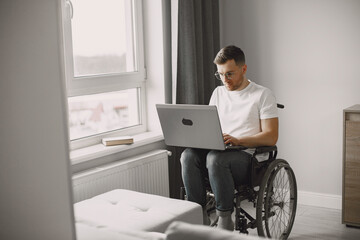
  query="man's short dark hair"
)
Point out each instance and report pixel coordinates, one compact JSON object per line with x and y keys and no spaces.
{"x":229,"y":53}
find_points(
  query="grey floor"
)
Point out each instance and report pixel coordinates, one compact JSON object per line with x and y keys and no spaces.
{"x":321,"y":223}
{"x":316,"y":223}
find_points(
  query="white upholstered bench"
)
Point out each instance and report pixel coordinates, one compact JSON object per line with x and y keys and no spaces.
{"x":123,"y":210}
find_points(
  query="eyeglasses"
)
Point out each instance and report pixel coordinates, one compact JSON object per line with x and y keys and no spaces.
{"x":228,"y":75}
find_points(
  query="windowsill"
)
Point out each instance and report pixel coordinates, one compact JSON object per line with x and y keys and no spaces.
{"x":99,"y":150}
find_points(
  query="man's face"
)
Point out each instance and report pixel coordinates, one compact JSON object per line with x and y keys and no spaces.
{"x":237,"y":74}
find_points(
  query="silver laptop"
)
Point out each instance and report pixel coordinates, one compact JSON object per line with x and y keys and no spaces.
{"x":195,"y":126}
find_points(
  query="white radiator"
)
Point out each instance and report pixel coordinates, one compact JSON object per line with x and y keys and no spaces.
{"x":146,"y":173}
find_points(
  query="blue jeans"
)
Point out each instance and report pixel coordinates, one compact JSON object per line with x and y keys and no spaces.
{"x":225,"y":170}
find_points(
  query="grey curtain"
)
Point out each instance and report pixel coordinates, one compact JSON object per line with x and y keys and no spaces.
{"x":198,"y":43}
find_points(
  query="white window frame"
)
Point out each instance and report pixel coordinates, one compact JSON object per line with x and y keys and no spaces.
{"x":106,"y":83}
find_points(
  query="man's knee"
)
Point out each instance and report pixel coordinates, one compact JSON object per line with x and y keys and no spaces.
{"x":187,"y":156}
{"x":213,"y":160}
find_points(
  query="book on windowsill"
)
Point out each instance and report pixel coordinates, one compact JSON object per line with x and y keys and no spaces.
{"x":112,"y":141}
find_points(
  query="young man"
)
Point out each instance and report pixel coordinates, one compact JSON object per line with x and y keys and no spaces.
{"x":248,"y":117}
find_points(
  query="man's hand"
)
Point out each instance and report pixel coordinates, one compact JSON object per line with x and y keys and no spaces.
{"x":228,"y":139}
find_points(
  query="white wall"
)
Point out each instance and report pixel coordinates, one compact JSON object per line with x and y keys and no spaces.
{"x":308,"y":53}
{"x":35,"y":191}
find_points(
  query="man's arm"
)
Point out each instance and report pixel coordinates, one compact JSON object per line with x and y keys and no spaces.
{"x":267,"y":137}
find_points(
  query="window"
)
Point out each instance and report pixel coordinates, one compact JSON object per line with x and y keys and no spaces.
{"x":104,"y":64}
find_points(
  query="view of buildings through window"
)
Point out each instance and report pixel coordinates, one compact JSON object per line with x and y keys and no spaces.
{"x":103,"y":46}
{"x":93,"y":114}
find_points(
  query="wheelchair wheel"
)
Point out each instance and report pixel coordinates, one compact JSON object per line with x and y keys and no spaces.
{"x":276,"y":201}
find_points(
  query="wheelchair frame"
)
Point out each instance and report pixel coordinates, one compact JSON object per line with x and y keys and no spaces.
{"x":272,"y":189}
{"x":272,"y":219}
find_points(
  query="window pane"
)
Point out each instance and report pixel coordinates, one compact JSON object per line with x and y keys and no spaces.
{"x":99,"y":113}
{"x":102,"y":35}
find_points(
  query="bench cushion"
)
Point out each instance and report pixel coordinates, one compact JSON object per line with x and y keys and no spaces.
{"x":86,"y":232}
{"x":121,"y":210}
{"x":181,"y":231}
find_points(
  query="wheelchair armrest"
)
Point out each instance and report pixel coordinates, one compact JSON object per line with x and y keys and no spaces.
{"x":258,"y":169}
{"x":265,"y":149}
{"x":238,"y":147}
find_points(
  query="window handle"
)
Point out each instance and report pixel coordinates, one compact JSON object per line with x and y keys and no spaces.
{"x":71,"y":7}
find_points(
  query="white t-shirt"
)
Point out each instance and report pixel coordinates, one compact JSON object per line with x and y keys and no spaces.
{"x":240,"y":111}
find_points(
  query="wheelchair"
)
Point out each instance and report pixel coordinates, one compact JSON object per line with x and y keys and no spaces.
{"x":272,"y":190}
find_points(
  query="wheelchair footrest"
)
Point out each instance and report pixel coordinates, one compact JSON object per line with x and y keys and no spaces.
{"x":244,"y":221}
{"x":242,"y":224}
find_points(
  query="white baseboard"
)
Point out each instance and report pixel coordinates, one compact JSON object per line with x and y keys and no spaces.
{"x":319,"y":199}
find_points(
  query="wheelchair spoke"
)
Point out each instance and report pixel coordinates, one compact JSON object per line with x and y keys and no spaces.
{"x":278,"y":224}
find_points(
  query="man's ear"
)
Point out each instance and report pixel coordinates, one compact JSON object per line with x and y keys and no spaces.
{"x":244,"y":68}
